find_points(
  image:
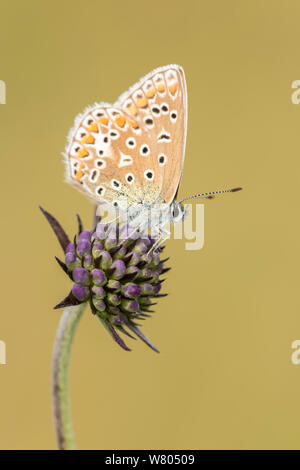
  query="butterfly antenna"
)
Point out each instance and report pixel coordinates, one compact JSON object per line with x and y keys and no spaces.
{"x":211,"y":194}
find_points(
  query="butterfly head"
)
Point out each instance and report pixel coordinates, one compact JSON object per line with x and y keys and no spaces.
{"x":178,"y":212}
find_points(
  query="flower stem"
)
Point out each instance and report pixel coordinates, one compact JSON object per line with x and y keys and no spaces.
{"x":60,"y":369}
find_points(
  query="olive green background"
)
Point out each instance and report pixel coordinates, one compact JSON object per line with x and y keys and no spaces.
{"x":224,"y":378}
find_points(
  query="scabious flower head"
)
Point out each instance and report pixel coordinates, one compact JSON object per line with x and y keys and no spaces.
{"x":116,"y":271}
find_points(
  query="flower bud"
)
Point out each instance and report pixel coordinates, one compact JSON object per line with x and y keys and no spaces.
{"x":129,"y":305}
{"x":81,"y":276}
{"x":105,"y":260}
{"x":85,"y":235}
{"x":83,"y":247}
{"x":80,"y":292}
{"x":98,"y":292}
{"x":131,"y":290}
{"x":113,"y":299}
{"x":117,"y":269}
{"x":98,"y":277}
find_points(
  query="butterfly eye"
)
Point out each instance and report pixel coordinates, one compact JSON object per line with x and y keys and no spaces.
{"x":144,"y":150}
{"x":149,"y":175}
{"x":176,"y":213}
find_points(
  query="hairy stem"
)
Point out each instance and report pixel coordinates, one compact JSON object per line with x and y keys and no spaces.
{"x":60,"y":369}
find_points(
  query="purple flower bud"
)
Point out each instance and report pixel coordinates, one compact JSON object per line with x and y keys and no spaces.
{"x":113,"y":299}
{"x":140,"y":247}
{"x":98,"y":276}
{"x":145,"y":273}
{"x":83,"y":247}
{"x":120,"y":253}
{"x":98,"y":292}
{"x":131,"y":290}
{"x":85,"y":235}
{"x":70,"y":248}
{"x":129,"y":233}
{"x":155,"y":277}
{"x":105,"y":260}
{"x":101,"y":230}
{"x":114,"y":310}
{"x":113,"y":285}
{"x":70,"y":257}
{"x":156,"y":258}
{"x":147,"y":258}
{"x":130,"y":305}
{"x":145,"y":301}
{"x":147,"y":289}
{"x":157,"y":288}
{"x":148,"y":240}
{"x":134,"y":259}
{"x":80,"y":292}
{"x":118,"y":269}
{"x":88,"y":261}
{"x":99,"y":304}
{"x":96,"y":250}
{"x":110,"y":243}
{"x":132,"y":272}
{"x":81,"y":276}
{"x":114,"y":268}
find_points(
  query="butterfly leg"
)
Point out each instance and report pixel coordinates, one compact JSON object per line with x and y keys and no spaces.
{"x":160,"y":239}
{"x":163,"y":239}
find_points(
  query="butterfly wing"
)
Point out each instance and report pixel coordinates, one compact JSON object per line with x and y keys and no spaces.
{"x":159,"y":104}
{"x":114,"y":154}
{"x":109,"y":157}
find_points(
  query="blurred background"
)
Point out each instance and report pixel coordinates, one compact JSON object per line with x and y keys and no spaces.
{"x":224,"y":378}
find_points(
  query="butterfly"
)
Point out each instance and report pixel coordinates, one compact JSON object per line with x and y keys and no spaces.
{"x":131,"y":153}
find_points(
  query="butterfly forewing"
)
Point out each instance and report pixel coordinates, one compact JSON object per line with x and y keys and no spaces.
{"x":159,"y":104}
{"x":132,"y":152}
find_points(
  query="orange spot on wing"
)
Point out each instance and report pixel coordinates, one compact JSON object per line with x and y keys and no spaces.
{"x":150,"y":93}
{"x":93,"y":127}
{"x":79,"y":173}
{"x":82,"y":152}
{"x":132,"y":109}
{"x":141,"y":102}
{"x":161,"y":87}
{"x":104,"y":120}
{"x":120,"y":121}
{"x":88,"y":139}
{"x":134,"y":124}
{"x":173,"y":88}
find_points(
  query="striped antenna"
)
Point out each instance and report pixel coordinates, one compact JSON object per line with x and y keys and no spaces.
{"x":211,"y":194}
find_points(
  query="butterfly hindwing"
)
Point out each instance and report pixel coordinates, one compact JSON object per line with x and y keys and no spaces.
{"x":132,"y":151}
